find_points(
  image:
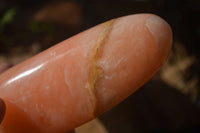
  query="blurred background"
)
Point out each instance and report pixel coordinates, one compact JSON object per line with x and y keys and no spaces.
{"x":169,"y":102}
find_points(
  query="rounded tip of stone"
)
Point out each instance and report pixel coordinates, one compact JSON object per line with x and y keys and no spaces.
{"x":2,"y":109}
{"x":161,"y":32}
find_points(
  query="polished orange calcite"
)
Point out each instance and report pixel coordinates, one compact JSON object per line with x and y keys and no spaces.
{"x":83,"y":76}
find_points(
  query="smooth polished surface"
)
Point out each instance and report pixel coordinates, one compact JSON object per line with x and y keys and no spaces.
{"x":83,"y":76}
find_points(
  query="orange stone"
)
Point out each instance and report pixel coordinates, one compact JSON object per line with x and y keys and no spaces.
{"x":80,"y":78}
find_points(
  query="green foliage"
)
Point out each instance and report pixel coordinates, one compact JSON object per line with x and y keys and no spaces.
{"x":7,"y":18}
{"x":40,"y":27}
